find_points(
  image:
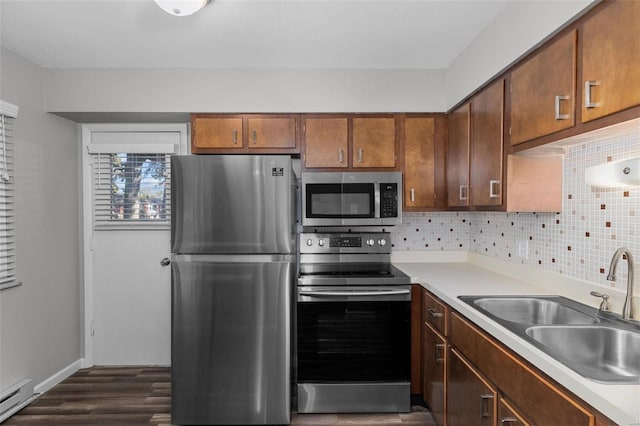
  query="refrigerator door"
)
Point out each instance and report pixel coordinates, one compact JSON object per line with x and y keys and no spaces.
{"x":231,"y":340}
{"x":232,"y":204}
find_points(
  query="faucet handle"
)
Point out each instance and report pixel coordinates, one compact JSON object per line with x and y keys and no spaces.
{"x":604,"y":305}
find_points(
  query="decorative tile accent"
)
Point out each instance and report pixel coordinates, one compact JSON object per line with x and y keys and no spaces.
{"x":578,"y":242}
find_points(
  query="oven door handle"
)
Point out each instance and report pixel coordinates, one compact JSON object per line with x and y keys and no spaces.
{"x":355,"y":293}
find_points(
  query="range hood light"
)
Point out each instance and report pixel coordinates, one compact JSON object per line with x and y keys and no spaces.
{"x":181,"y":7}
{"x":615,"y":174}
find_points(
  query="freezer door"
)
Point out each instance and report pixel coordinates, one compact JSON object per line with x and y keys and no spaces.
{"x":230,"y":357}
{"x":232,"y":204}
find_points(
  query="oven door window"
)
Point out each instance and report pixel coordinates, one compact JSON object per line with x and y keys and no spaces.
{"x":354,"y":341}
{"x":350,"y":200}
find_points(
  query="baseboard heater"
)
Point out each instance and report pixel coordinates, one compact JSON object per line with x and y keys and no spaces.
{"x":15,"y":397}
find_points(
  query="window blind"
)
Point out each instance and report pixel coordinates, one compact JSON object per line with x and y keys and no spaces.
{"x":7,"y":207}
{"x":131,"y":190}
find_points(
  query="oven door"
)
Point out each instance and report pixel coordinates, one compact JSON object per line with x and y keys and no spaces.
{"x":353,"y":346}
{"x":354,"y":334}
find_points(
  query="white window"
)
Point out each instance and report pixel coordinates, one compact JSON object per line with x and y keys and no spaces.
{"x":131,"y":189}
{"x":8,"y":114}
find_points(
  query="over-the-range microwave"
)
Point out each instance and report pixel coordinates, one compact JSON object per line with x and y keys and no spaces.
{"x":351,"y":198}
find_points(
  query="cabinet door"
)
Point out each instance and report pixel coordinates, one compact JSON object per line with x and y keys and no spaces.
{"x":434,"y":367}
{"x":326,"y":142}
{"x":272,"y":132}
{"x":419,"y":162}
{"x":471,"y":400}
{"x":374,"y":142}
{"x":611,"y":60}
{"x":543,"y":91}
{"x":486,"y":146}
{"x":509,"y":416}
{"x":458,"y":156}
{"x":215,"y":132}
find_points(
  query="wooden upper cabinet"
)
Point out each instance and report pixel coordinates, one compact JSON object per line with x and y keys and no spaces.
{"x":543,"y":91}
{"x":374,"y":142}
{"x":419,"y":162}
{"x":326,"y":142}
{"x":272,"y":132}
{"x":611,"y":60}
{"x":216,"y":132}
{"x":487,"y":112}
{"x":243,"y":133}
{"x":458,"y":156}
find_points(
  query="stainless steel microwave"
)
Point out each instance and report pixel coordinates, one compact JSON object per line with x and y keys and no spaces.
{"x":351,"y":198}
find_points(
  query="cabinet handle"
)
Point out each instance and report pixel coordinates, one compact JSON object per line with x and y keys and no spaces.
{"x":439,"y":357}
{"x":235,"y":136}
{"x":509,"y":420}
{"x":494,"y":184}
{"x":412,"y":195}
{"x":434,"y":314}
{"x":560,"y":116}
{"x":254,"y":136}
{"x":464,"y":192}
{"x":340,"y":156}
{"x":588,"y":103}
{"x":359,"y":155}
{"x":484,"y":400}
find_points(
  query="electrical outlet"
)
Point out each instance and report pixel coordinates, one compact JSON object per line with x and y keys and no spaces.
{"x":523,"y":248}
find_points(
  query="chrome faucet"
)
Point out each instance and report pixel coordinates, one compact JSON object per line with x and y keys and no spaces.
{"x":627,"y":308}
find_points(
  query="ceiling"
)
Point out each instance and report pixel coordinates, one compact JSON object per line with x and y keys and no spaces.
{"x":319,"y":34}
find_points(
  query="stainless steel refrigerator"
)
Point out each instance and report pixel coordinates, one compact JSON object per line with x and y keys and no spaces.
{"x":233,"y":264}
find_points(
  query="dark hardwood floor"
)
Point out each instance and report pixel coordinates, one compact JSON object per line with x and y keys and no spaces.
{"x":142,"y":396}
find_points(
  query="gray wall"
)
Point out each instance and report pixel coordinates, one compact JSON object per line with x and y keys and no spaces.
{"x":81,"y":93}
{"x":40,"y":331}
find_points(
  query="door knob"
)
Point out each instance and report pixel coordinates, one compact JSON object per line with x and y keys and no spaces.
{"x":165,"y":262}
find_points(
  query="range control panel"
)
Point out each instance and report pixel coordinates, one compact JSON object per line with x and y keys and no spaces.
{"x":366,"y":242}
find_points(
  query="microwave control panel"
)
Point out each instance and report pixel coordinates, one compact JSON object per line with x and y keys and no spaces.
{"x":388,"y":200}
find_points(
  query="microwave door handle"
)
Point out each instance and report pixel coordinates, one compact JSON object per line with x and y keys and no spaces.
{"x":376,"y":203}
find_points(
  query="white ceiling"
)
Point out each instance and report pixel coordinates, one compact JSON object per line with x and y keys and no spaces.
{"x":325,"y":34}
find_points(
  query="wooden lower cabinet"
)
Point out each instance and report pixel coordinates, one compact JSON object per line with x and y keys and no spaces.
{"x":508,"y":415}
{"x":471,"y":399}
{"x":469,"y":378}
{"x":434,"y":352}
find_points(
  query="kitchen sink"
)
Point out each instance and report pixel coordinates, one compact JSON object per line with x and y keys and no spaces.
{"x":603,"y":354}
{"x":597,"y":345}
{"x":533,"y":310}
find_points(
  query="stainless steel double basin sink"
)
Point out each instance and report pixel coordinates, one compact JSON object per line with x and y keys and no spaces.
{"x":596,"y":345}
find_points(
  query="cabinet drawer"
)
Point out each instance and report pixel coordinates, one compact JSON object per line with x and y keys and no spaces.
{"x":530,"y":392}
{"x":435,"y":312}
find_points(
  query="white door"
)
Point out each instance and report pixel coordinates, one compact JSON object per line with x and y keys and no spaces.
{"x":127,"y":236}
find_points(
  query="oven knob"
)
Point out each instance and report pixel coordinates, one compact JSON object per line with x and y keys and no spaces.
{"x":309,"y":242}
{"x":320,"y":242}
{"x":370,"y":242}
{"x":382,"y":242}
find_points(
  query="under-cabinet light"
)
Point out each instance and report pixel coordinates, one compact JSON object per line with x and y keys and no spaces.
{"x":615,"y":174}
{"x":181,"y":7}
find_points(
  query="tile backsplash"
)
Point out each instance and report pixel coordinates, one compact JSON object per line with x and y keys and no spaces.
{"x":577,"y":242}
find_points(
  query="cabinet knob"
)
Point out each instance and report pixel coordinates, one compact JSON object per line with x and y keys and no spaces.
{"x":588,"y":103}
{"x":412,"y":193}
{"x":560,"y":116}
{"x":494,"y":188}
{"x":359,"y":155}
{"x":235,"y":136}
{"x":340,"y":156}
{"x":254,"y":136}
{"x":464,"y":192}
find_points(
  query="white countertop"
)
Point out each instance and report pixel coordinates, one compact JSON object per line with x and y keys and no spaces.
{"x":452,"y":274}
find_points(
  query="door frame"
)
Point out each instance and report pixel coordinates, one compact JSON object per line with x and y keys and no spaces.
{"x":87,"y":131}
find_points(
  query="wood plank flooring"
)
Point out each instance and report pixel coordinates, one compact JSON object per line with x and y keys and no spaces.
{"x":142,"y":396}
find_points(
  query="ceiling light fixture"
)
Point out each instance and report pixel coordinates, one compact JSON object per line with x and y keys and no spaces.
{"x":181,"y":7}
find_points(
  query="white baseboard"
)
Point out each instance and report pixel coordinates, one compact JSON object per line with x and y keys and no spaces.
{"x":58,"y":377}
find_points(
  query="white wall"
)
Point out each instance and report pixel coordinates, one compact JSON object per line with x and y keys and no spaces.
{"x":520,"y":27}
{"x":40,"y":321}
{"x":243,"y":90}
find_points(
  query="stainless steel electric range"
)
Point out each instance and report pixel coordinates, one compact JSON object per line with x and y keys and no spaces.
{"x":353,"y":325}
